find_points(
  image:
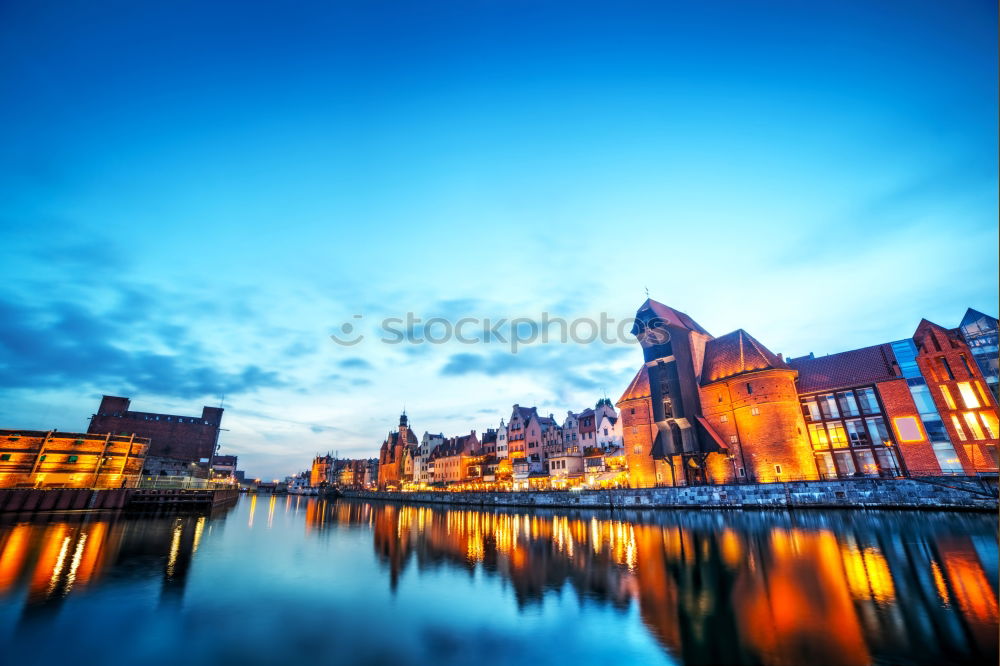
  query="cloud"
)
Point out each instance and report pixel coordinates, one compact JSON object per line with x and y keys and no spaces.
{"x":66,"y":344}
{"x":355,"y":363}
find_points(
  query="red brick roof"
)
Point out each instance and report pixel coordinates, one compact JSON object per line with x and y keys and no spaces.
{"x":637,"y":388}
{"x":735,"y":354}
{"x":846,"y":369}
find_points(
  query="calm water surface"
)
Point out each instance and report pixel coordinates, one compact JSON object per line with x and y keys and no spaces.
{"x":292,"y":580}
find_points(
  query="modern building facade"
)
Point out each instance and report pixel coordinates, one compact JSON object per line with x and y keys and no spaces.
{"x":980,"y":333}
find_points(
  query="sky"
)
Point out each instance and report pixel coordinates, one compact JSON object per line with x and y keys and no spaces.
{"x":195,"y":196}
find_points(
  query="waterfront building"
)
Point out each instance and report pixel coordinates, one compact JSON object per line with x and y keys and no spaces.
{"x":967,"y":408}
{"x":609,"y":431}
{"x":566,"y":470}
{"x":502,"y":450}
{"x":187,"y":439}
{"x":571,"y":429}
{"x":397,"y":448}
{"x":980,"y":333}
{"x":53,"y":459}
{"x":860,"y":415}
{"x":321,"y":472}
{"x":224,"y":468}
{"x":421,"y":457}
{"x":453,"y":457}
{"x":717,"y":410}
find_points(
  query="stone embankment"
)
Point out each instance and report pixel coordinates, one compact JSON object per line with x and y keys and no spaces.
{"x":951,"y":493}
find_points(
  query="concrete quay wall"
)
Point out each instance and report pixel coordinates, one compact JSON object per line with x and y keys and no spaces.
{"x":960,"y":494}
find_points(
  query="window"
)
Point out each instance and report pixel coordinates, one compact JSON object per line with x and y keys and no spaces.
{"x":968,"y":370}
{"x":878,"y":431}
{"x":632,"y":411}
{"x":733,"y":439}
{"x":838,"y":439}
{"x":5,"y":457}
{"x":749,"y":388}
{"x":634,"y":430}
{"x":755,"y":411}
{"x":968,"y":395}
{"x":982,"y":394}
{"x":71,"y":459}
{"x":42,"y":457}
{"x":869,"y":403}
{"x":810,"y":410}
{"x":856,"y":432}
{"x":637,"y":450}
{"x":724,"y":418}
{"x":817,"y":433}
{"x":828,"y":406}
{"x":948,"y":399}
{"x":777,"y":469}
{"x":824,"y":462}
{"x":973,"y":423}
{"x":848,"y":405}
{"x":742,"y":472}
{"x":990,"y":421}
{"x":946,"y":368}
{"x":958,"y":427}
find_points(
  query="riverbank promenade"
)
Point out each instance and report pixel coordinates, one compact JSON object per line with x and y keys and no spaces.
{"x":955,"y":493}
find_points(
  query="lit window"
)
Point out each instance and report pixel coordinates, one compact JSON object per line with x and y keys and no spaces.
{"x":817,"y":433}
{"x":958,"y":427}
{"x":755,"y":411}
{"x":637,"y":450}
{"x":908,"y":429}
{"x":982,"y":394}
{"x":990,"y":421}
{"x":838,"y":439}
{"x":968,"y":395}
{"x":948,"y":399}
{"x":733,"y":439}
{"x":724,"y":418}
{"x":973,"y":423}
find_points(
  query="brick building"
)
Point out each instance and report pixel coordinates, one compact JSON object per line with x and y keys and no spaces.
{"x":396,"y":455}
{"x":713,"y":410}
{"x":53,"y":459}
{"x":189,"y":439}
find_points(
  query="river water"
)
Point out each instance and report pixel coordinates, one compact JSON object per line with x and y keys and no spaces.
{"x":296,"y":580}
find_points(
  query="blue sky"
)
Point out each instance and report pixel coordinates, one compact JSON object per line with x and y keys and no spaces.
{"x":193,"y":197}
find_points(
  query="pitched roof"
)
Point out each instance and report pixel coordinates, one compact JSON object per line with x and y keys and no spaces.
{"x":846,"y":369}
{"x":668,"y":315}
{"x":972,"y":316}
{"x":735,"y":354}
{"x":637,"y":388}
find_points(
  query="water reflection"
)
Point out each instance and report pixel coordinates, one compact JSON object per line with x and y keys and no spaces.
{"x":849,"y":588}
{"x":46,"y":560}
{"x":280,"y":576}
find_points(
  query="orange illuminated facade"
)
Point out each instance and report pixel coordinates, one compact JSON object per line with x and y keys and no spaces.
{"x":720,"y":410}
{"x":53,"y":459}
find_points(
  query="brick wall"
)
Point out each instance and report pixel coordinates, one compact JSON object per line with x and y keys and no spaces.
{"x":188,"y":438}
{"x":898,"y":404}
{"x":774,"y":435}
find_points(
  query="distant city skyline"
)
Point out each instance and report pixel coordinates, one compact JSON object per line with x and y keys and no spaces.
{"x":196,"y":197}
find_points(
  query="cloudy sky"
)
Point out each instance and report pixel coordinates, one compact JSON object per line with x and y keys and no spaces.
{"x":194,"y":196}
